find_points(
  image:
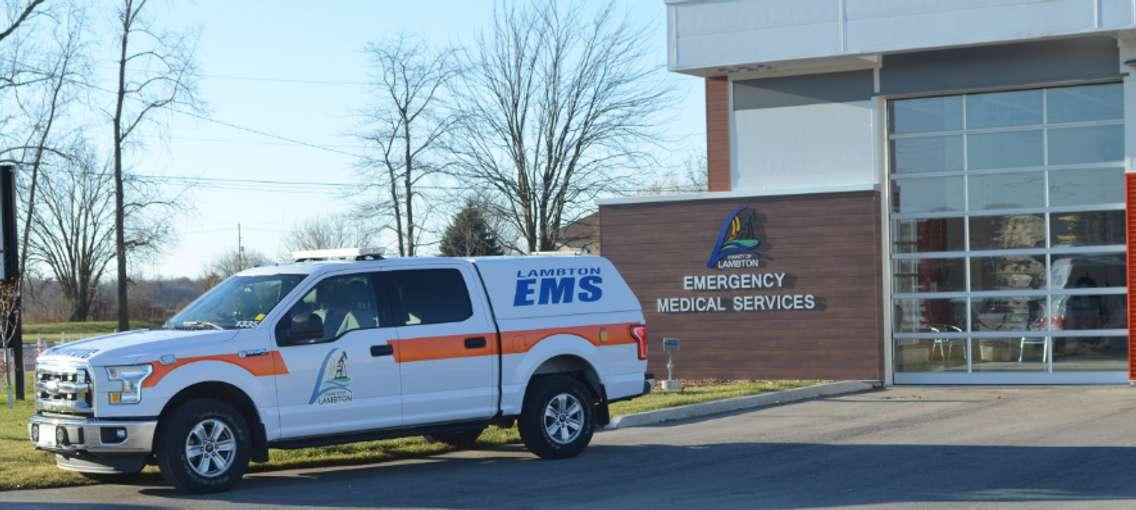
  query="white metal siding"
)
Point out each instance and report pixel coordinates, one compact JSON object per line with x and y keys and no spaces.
{"x":710,"y":34}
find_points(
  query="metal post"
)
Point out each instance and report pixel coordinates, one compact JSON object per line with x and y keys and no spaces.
{"x":18,"y":352}
{"x":11,"y":272}
{"x":670,"y":345}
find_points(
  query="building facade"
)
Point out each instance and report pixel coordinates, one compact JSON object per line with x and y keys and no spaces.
{"x":907,"y":191}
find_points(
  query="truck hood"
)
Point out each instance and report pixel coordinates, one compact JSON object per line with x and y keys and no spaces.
{"x":131,"y":347}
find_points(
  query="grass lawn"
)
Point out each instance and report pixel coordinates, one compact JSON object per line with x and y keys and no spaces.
{"x":22,"y":467}
{"x":72,"y":330}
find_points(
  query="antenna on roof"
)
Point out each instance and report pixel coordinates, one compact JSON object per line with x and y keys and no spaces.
{"x":338,"y":254}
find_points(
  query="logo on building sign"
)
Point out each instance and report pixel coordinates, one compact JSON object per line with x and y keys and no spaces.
{"x":737,"y":242}
{"x":736,"y":286}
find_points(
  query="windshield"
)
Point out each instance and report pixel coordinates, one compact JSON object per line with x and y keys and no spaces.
{"x":237,"y":302}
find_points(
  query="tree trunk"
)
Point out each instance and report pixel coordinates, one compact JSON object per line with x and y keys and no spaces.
{"x":119,"y":202}
{"x":397,"y":210}
{"x":80,"y":308}
{"x":407,"y":183}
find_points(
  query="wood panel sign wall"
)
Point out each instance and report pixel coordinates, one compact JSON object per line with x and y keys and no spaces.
{"x":761,"y":287}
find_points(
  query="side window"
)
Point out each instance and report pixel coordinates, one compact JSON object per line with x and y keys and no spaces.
{"x":333,"y":307}
{"x":427,"y":296}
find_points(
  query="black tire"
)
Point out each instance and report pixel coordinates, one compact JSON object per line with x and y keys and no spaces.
{"x":459,"y":440}
{"x":174,"y":433}
{"x":534,"y":426}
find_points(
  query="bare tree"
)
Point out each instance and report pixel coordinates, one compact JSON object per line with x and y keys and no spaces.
{"x":21,"y":16}
{"x":404,"y":124}
{"x":232,"y":262}
{"x":40,"y":109}
{"x":690,"y":177}
{"x":340,"y":231}
{"x":557,"y":108}
{"x":73,"y":229}
{"x":155,"y":70}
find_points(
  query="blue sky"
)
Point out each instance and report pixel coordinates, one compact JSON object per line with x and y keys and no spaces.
{"x":260,"y":62}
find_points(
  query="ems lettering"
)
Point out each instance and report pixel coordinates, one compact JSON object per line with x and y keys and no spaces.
{"x":523,"y":296}
{"x":536,"y":287}
{"x":590,"y":290}
{"x":556,"y":290}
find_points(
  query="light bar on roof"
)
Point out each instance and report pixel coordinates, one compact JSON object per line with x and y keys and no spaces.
{"x":338,"y":254}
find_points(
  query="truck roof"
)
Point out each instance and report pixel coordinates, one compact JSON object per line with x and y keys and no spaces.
{"x":323,"y":266}
{"x":519,"y":287}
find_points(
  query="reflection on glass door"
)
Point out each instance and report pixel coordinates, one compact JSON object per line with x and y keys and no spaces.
{"x":1008,"y":255}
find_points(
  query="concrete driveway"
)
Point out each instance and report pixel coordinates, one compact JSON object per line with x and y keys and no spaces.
{"x":1032,"y":447}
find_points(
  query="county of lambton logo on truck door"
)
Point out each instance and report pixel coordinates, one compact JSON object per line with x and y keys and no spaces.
{"x":737,"y":242}
{"x":332,"y":384}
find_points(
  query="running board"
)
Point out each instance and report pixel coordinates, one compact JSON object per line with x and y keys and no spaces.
{"x":373,"y":435}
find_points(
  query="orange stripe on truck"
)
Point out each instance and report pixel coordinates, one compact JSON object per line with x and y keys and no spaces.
{"x":431,"y":348}
{"x":519,"y":342}
{"x":271,"y":363}
{"x":440,"y":347}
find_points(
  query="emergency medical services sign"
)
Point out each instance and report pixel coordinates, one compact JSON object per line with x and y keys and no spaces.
{"x":737,"y":281}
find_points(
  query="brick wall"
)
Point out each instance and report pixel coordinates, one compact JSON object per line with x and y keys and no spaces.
{"x":1130,"y":188}
{"x":828,"y":244}
{"x":718,"y":133}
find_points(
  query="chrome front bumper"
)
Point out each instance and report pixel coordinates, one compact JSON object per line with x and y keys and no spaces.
{"x":73,"y":435}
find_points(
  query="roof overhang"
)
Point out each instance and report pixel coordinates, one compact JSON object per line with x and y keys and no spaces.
{"x":783,"y":37}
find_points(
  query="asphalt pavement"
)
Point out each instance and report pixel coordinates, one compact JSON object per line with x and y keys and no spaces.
{"x":1024,"y":447}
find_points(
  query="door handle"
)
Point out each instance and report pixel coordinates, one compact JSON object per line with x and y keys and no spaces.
{"x":475,"y":342}
{"x":381,"y":350}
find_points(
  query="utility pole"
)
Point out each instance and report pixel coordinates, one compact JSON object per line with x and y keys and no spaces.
{"x":240,"y":250}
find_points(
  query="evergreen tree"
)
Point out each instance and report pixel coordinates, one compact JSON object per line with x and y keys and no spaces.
{"x":470,"y":235}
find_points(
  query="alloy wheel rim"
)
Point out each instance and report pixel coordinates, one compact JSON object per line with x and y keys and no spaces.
{"x":210,"y":448}
{"x":563,"y":418}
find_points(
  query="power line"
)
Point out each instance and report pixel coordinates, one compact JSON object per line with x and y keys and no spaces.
{"x":266,"y":134}
{"x":311,"y":187}
{"x":206,"y":118}
{"x":297,"y":81}
{"x":250,"y":142}
{"x":231,"y":125}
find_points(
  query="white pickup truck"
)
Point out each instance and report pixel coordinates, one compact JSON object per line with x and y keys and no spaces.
{"x":327,"y":352}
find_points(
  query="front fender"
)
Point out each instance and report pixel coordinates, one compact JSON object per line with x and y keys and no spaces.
{"x":154,"y":398}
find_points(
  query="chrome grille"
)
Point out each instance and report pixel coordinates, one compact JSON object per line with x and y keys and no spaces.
{"x":63,"y":389}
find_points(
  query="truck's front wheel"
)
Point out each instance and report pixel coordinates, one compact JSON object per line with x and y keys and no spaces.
{"x":203,"y":446}
{"x":556,"y":421}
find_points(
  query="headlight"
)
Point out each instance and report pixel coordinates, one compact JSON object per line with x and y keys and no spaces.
{"x":126,"y":383}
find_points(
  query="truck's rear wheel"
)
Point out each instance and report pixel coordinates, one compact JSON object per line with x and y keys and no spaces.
{"x":556,"y":421}
{"x":460,"y":440}
{"x":204,"y":446}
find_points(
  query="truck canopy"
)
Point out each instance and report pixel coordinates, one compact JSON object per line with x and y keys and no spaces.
{"x":527,"y":287}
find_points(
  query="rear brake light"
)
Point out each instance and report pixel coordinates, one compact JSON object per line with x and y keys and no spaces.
{"x":639,"y":332}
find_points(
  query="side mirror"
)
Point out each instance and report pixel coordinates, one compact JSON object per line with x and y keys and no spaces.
{"x":299,"y":329}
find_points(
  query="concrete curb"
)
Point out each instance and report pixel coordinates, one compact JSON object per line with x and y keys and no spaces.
{"x":738,"y":404}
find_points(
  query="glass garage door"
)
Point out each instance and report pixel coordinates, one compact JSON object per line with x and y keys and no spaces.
{"x":1007,"y":230}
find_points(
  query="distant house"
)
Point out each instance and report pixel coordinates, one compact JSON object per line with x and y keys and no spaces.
{"x":582,"y":236}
